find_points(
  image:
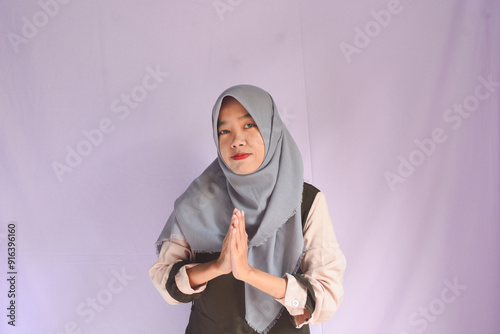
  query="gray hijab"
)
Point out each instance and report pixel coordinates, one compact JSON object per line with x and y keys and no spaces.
{"x":271,"y":198}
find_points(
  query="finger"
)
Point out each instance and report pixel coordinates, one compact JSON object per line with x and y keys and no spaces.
{"x":243,"y":221}
{"x":231,"y":236}
{"x":236,"y":224}
{"x":233,"y":242}
{"x":237,"y":233}
{"x":241,"y":227}
{"x":229,"y":231}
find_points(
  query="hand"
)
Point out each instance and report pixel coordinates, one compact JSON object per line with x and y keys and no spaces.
{"x":204,"y":272}
{"x":224,"y":261}
{"x":239,"y":246}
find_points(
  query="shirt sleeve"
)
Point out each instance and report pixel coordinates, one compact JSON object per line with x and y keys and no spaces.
{"x":315,"y":296}
{"x":169,"y":274}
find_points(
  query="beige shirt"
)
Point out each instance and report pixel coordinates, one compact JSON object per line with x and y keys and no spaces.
{"x":323,"y":265}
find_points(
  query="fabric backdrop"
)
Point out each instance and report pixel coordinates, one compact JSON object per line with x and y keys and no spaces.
{"x":105,"y":120}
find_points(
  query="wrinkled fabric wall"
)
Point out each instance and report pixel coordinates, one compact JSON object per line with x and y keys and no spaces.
{"x":105,"y":120}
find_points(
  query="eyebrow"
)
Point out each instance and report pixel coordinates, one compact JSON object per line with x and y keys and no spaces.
{"x":242,"y":117}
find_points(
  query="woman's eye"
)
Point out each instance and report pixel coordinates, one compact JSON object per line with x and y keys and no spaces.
{"x":250,"y":125}
{"x":221,"y":132}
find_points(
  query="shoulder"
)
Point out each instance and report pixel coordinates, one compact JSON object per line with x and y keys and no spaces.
{"x":309,"y":189}
{"x":309,"y":193}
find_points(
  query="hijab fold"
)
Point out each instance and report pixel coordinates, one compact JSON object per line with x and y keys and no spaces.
{"x":271,"y":198}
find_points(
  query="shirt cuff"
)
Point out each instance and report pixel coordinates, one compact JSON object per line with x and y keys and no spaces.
{"x":295,"y":296}
{"x":182,"y":281}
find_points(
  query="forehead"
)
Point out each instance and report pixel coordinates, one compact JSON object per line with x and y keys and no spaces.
{"x":231,"y":109}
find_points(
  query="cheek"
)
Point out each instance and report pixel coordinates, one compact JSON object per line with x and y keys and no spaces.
{"x":223,"y":146}
{"x":259,"y":144}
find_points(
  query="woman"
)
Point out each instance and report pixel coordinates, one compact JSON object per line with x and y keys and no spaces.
{"x":249,"y":243}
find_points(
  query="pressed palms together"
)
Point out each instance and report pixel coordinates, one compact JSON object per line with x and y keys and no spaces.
{"x":234,"y":253}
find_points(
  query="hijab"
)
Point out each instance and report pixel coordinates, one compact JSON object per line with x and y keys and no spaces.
{"x":270,"y":197}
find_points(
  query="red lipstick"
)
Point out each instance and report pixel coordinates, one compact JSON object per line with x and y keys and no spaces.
{"x":240,"y":156}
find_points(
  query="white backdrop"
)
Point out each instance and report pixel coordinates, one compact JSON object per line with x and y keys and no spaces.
{"x":105,"y":120}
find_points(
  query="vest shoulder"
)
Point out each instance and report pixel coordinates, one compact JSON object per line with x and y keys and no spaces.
{"x":309,"y":193}
{"x":310,"y":189}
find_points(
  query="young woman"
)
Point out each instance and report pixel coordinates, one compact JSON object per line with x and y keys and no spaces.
{"x":249,"y":243}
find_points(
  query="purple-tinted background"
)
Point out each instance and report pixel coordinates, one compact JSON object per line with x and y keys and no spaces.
{"x":362,"y":86}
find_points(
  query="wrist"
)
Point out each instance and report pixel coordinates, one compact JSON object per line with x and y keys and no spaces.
{"x":216,"y":268}
{"x":248,"y":275}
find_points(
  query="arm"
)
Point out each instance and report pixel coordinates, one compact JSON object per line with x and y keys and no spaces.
{"x":202,"y":273}
{"x":168,"y":277}
{"x":270,"y":284}
{"x":205,"y":272}
{"x":323,"y":266}
{"x":177,"y":278}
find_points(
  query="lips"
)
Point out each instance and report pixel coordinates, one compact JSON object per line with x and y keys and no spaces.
{"x":240,"y":156}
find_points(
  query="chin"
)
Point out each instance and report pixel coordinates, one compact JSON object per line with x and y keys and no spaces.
{"x":240,"y":172}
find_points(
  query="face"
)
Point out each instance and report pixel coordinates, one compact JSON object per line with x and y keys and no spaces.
{"x":240,"y":142}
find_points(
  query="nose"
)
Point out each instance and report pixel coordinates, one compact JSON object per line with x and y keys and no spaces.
{"x":238,"y":139}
